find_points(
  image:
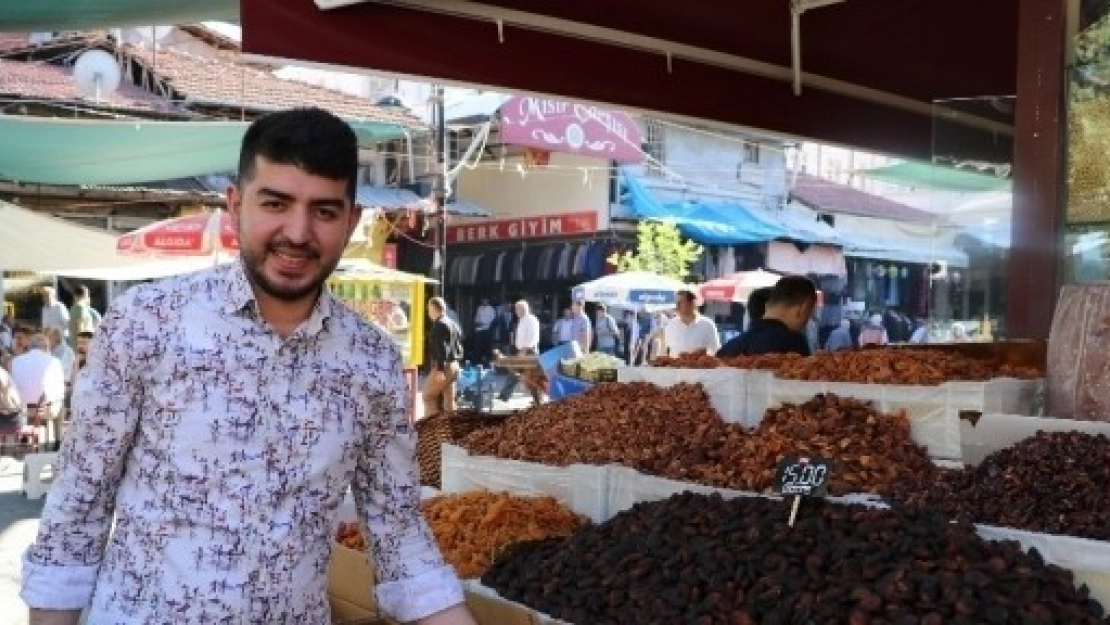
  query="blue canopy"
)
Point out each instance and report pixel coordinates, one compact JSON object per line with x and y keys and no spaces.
{"x":708,"y":223}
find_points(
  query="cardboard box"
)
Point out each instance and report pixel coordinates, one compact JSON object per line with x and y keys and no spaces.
{"x":496,"y":611}
{"x":992,"y":432}
{"x":351,"y":579}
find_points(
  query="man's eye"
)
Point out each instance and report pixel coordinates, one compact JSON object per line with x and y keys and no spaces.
{"x":271,"y":204}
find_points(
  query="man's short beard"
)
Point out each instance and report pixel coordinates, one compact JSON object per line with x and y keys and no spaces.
{"x":252,"y":264}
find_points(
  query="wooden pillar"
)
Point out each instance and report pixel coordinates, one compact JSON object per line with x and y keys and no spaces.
{"x":1040,"y":127}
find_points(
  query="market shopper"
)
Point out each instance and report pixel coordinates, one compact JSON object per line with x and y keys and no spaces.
{"x":874,"y":333}
{"x":840,"y":339}
{"x":484,"y":318}
{"x":607,"y":331}
{"x":445,"y":353}
{"x":82,"y":316}
{"x":757,"y":307}
{"x":782,"y":328}
{"x":222,"y":416}
{"x":41,"y":380}
{"x":580,"y":327}
{"x":688,"y":331}
{"x":54,"y":313}
{"x":526,"y":341}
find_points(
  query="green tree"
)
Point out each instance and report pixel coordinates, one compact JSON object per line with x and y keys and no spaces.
{"x":660,"y":249}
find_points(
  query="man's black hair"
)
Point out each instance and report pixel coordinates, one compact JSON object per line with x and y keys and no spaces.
{"x":793,"y":291}
{"x":311,"y":139}
{"x":757,"y":302}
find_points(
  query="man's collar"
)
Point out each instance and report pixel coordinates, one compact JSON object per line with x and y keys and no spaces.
{"x":240,"y":297}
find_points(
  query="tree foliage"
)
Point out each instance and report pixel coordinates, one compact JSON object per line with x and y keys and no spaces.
{"x":661,"y":249}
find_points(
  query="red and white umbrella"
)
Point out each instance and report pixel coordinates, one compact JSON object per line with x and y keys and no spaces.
{"x":202,"y":234}
{"x":738,"y":286}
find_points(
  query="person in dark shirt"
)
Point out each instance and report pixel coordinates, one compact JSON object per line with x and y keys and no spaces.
{"x":757,"y":307}
{"x":782,"y":328}
{"x":445,"y":352}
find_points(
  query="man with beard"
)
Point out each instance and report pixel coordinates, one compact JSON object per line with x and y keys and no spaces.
{"x":222,"y":415}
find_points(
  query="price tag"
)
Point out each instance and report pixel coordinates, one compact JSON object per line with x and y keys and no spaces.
{"x":805,"y":476}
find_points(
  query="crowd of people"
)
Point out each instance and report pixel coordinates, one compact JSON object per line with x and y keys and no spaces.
{"x":39,"y":365}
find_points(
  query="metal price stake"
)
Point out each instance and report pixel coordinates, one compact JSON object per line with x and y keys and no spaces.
{"x":802,"y":476}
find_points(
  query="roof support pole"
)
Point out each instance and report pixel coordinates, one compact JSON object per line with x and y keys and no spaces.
{"x":1038,"y":168}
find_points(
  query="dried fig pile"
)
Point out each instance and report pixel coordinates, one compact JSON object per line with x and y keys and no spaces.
{"x":871,"y":451}
{"x":472,"y":528}
{"x":873,"y":366}
{"x":1054,"y":482}
{"x":703,"y":560}
{"x":675,"y":433}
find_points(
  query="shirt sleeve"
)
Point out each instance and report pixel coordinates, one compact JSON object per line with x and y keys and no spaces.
{"x":60,"y":568}
{"x":415,"y":582}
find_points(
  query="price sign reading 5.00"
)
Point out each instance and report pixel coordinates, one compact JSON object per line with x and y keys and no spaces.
{"x":804,"y":476}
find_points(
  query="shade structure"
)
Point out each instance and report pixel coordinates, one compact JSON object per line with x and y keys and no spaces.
{"x":112,"y":152}
{"x":202,"y":234}
{"x":738,"y":286}
{"x":638,"y":290}
{"x":60,"y":15}
{"x":871,"y":69}
{"x":33,"y":241}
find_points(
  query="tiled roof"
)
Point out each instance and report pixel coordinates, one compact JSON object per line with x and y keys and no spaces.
{"x":42,"y":81}
{"x":13,"y":41}
{"x":213,"y":81}
{"x":826,"y":196}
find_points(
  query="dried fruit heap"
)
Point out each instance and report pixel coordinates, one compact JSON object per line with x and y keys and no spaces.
{"x":1054,"y":482}
{"x":700,"y":559}
{"x":878,"y":366}
{"x":675,"y":433}
{"x":472,"y":528}
{"x":871,"y":451}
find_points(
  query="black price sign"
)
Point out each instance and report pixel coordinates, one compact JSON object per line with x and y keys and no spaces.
{"x":805,"y":476}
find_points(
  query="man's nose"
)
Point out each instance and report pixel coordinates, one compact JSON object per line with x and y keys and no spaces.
{"x":298,"y":225}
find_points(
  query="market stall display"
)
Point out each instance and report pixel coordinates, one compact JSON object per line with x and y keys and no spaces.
{"x":1078,"y":349}
{"x":473,"y":528}
{"x":933,"y":387}
{"x":675,"y":433}
{"x":915,"y":367}
{"x":592,"y":367}
{"x":1054,"y":482}
{"x":703,"y":559}
{"x":445,"y":427}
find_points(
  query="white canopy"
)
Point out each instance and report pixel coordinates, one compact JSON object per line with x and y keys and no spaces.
{"x":634,"y":289}
{"x":32,"y":241}
{"x":144,"y":270}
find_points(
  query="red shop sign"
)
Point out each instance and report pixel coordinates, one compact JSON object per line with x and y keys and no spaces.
{"x":524,"y":228}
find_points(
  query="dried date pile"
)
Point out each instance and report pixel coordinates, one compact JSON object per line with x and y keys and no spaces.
{"x":474,"y":527}
{"x":871,"y":451}
{"x":704,"y":560}
{"x":877,"y":366}
{"x":1054,"y":482}
{"x":637,"y":424}
{"x":675,"y":433}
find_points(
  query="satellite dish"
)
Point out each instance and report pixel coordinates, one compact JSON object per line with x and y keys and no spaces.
{"x":96,"y":73}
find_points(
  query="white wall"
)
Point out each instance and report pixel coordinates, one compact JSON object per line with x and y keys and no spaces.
{"x":569,"y":184}
{"x":711,"y":164}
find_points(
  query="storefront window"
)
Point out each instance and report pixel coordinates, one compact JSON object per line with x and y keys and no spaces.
{"x":1087,"y":245}
{"x":971,"y":195}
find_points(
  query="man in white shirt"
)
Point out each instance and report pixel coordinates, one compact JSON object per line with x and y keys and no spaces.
{"x":41,"y":381}
{"x":526,"y":340}
{"x":54,"y":313}
{"x":689,"y":331}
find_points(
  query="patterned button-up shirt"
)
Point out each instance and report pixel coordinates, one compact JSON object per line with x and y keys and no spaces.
{"x":223,"y":452}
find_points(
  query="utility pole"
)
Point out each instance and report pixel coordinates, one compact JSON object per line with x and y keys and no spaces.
{"x":442,"y":154}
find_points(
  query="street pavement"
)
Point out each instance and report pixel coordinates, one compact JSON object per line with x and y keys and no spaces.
{"x":19,"y":521}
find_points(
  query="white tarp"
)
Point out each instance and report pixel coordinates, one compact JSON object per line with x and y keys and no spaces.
{"x":582,"y":488}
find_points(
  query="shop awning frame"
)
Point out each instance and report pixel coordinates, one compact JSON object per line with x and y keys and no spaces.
{"x":877,"y":93}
